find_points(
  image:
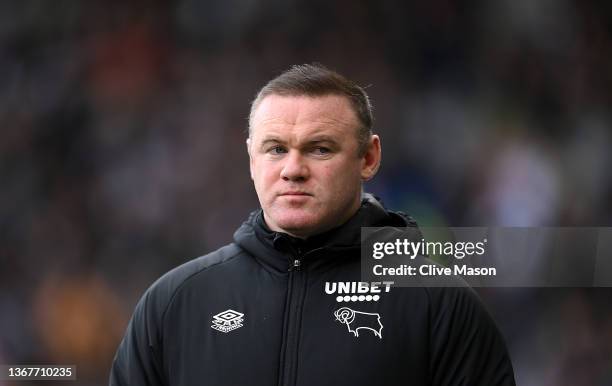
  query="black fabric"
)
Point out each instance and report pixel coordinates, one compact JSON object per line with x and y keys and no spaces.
{"x":293,"y":332}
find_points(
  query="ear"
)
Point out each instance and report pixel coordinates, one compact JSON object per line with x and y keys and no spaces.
{"x":371,"y":159}
{"x":248,"y":145}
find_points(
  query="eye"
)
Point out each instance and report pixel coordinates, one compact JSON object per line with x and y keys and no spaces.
{"x":277,"y":150}
{"x":321,"y":150}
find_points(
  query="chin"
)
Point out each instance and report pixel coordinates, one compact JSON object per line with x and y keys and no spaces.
{"x":298,"y":224}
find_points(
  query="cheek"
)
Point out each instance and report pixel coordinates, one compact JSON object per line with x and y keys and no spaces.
{"x":265,"y":176}
{"x":329,"y":175}
{"x":343,"y":176}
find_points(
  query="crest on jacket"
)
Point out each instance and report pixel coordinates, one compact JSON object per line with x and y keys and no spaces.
{"x":357,"y":320}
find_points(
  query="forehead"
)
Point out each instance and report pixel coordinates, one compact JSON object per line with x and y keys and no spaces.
{"x":304,"y":115}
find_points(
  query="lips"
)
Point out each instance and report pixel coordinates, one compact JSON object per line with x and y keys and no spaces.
{"x":295,"y":193}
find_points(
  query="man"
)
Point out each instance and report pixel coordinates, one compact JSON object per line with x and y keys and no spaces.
{"x":266,"y":309}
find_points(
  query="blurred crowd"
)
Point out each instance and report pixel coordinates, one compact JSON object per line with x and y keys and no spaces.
{"x":122,"y":149}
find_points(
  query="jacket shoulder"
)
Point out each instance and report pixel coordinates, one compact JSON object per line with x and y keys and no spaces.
{"x":461,"y":330}
{"x":164,"y":288}
{"x":154,"y":303}
{"x":138,"y":358}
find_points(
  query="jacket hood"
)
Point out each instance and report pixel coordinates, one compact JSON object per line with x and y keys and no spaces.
{"x":278,"y":249}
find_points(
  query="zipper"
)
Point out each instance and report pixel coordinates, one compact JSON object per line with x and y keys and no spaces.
{"x":296,"y":290}
{"x":296,"y":265}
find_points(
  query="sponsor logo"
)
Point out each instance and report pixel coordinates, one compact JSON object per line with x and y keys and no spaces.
{"x":227,"y":321}
{"x":357,"y":320}
{"x":357,"y":291}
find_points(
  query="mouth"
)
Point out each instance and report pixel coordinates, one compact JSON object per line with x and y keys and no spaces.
{"x":294,"y":193}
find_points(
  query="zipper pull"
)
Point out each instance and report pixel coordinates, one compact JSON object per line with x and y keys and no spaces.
{"x":296,"y":260}
{"x":296,"y":265}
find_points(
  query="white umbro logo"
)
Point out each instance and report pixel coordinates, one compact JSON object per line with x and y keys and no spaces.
{"x":227,"y":320}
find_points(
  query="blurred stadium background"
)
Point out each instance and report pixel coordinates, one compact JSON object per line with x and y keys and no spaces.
{"x":122,"y":128}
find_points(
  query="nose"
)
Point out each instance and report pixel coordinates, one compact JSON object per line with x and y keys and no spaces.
{"x":295,"y":167}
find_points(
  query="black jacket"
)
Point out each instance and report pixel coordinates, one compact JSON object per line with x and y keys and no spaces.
{"x":272,"y":310}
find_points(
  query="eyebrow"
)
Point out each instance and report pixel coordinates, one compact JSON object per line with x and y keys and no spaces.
{"x":316,"y":139}
{"x":273,"y":140}
{"x":322,"y":138}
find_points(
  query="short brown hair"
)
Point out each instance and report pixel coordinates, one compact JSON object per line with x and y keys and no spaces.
{"x":316,"y":80}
